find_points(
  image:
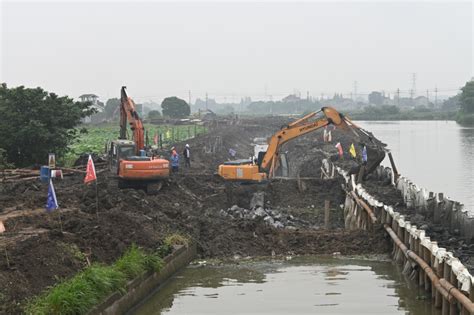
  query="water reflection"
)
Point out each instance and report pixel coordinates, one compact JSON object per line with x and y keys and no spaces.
{"x":467,"y":158}
{"x":300,"y":286}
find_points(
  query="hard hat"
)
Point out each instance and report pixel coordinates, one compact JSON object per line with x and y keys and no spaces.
{"x":172,"y":148}
{"x":187,"y":145}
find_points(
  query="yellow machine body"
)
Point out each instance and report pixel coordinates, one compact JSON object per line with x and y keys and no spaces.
{"x":241,"y":172}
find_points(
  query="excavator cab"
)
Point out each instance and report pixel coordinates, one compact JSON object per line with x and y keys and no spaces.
{"x":136,"y":171}
{"x":117,"y":150}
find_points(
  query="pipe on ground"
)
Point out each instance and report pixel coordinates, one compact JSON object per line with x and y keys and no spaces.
{"x":447,"y":290}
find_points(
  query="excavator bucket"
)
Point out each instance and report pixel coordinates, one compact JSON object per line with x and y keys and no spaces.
{"x":375,"y":148}
{"x":375,"y":156}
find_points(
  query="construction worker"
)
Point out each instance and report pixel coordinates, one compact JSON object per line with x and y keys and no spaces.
{"x":187,"y":156}
{"x":174,"y":160}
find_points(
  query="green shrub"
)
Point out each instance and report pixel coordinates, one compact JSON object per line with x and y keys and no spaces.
{"x":164,"y":250}
{"x":465,"y":118}
{"x":153,"y":262}
{"x":105,"y":279}
{"x":74,"y":296}
{"x":87,"y":288}
{"x":132,"y":262}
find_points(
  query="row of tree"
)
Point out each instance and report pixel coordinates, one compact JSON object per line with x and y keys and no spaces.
{"x":172,"y":107}
{"x":35,"y":122}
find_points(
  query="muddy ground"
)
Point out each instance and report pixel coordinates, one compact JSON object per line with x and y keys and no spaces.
{"x":41,"y":248}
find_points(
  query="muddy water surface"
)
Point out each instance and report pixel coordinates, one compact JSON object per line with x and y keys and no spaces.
{"x":436,"y":155}
{"x":302,"y":285}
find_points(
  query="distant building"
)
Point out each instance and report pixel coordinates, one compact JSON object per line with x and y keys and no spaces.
{"x":97,"y":105}
{"x":292,"y":98}
{"x":94,"y":99}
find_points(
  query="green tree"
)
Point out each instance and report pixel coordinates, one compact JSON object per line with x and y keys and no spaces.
{"x":112,"y":108}
{"x":175,"y":107}
{"x":467,"y":97}
{"x":154,"y":114}
{"x":452,"y":103}
{"x":35,"y":122}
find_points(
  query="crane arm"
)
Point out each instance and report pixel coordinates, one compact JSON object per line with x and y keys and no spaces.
{"x":129,"y":113}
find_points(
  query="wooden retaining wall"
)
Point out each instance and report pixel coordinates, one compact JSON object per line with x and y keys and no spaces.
{"x":434,"y":268}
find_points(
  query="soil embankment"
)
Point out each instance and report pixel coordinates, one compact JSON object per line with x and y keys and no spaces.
{"x":39,"y":248}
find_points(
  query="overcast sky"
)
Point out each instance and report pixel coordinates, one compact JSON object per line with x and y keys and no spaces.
{"x":234,"y":49}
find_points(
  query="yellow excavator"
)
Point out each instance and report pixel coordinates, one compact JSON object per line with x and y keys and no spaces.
{"x":264,"y":166}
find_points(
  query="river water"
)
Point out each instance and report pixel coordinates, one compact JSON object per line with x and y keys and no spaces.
{"x":302,"y":285}
{"x":436,"y":155}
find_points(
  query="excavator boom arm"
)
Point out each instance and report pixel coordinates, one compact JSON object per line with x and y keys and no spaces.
{"x":299,"y":128}
{"x":128,"y":113}
{"x":285,"y":135}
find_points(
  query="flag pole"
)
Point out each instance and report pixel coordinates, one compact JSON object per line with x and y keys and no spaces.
{"x":60,"y":221}
{"x":96,"y":200}
{"x":91,"y":176}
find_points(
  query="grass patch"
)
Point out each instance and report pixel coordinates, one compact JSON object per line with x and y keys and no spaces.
{"x":86,"y":289}
{"x":176,"y":239}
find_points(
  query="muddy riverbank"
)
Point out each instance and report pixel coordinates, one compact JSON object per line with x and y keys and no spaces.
{"x":38,"y":249}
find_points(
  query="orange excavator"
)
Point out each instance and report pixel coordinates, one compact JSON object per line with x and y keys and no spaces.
{"x":264,"y":166}
{"x":129,"y":159}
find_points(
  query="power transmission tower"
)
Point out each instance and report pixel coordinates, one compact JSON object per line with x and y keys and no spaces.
{"x":206,"y":101}
{"x":189,"y":97}
{"x":436,"y":96}
{"x":428,"y":95}
{"x":398,"y":97}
